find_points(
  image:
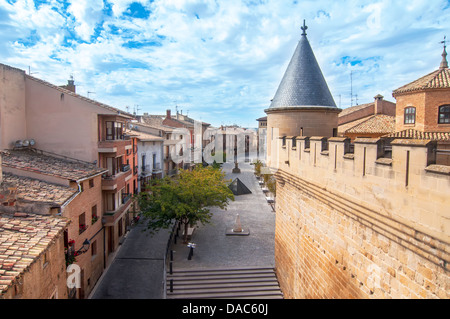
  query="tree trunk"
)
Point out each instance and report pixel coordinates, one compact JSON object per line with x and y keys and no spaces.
{"x":186,"y":227}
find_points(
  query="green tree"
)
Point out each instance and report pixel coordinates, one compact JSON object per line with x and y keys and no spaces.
{"x":186,"y":197}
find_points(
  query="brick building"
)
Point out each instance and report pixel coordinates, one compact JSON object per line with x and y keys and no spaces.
{"x":62,"y":188}
{"x":39,"y":115}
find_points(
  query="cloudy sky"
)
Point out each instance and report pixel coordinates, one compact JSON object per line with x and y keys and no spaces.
{"x":220,"y":61}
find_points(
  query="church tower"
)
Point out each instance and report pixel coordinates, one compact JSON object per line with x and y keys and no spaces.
{"x":303,"y":104}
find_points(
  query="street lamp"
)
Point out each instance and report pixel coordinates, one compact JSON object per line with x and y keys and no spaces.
{"x":85,"y":247}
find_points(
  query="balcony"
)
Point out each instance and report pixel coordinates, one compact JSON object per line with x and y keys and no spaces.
{"x":117,"y":181}
{"x":118,"y":147}
{"x":110,"y":217}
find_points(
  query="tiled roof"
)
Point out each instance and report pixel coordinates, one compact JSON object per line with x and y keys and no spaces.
{"x":419,"y":135}
{"x":342,"y":128}
{"x":145,"y":137}
{"x":439,"y":79}
{"x":33,"y":190}
{"x":30,"y":160}
{"x":23,"y":238}
{"x":379,"y":123}
{"x":354,"y":108}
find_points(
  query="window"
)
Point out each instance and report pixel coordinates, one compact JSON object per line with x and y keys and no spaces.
{"x":444,"y":114}
{"x":91,"y":183}
{"x":114,"y":130}
{"x":82,"y":223}
{"x":94,"y":248}
{"x":94,"y":216}
{"x":410,"y":115}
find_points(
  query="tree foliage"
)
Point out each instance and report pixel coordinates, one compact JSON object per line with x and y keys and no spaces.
{"x":186,"y":197}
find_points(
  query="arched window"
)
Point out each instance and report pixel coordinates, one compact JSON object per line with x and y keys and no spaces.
{"x":410,"y":115}
{"x":444,"y":114}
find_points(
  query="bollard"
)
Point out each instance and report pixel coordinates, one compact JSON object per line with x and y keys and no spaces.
{"x":171,"y":255}
{"x":191,"y":251}
{"x":170,"y":268}
{"x":171,"y":285}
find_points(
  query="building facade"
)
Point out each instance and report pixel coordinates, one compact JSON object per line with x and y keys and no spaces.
{"x":44,"y":117}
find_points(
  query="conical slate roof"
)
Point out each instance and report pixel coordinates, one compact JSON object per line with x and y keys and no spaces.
{"x":303,"y":84}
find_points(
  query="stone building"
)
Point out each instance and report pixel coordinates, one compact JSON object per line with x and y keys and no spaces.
{"x":357,"y":224}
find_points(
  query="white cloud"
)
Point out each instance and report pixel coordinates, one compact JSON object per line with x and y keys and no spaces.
{"x":213,"y":55}
{"x":87,"y":14}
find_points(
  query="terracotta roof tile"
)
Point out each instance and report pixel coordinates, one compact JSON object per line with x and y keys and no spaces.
{"x":30,"y":160}
{"x":33,"y":190}
{"x":439,"y":79}
{"x":22,"y":241}
{"x":379,"y":123}
{"x":415,"y":134}
{"x":145,"y":137}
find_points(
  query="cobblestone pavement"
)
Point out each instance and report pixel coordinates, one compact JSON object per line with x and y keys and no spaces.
{"x":214,"y":249}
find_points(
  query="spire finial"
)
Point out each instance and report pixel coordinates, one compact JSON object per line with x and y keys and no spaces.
{"x":304,"y":27}
{"x":444,"y":63}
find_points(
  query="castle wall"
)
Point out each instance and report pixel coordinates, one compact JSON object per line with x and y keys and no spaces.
{"x":359,"y":225}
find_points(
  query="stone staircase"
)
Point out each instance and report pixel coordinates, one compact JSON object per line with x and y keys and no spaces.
{"x":248,"y":283}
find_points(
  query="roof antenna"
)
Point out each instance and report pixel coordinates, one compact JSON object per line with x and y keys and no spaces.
{"x":444,"y":63}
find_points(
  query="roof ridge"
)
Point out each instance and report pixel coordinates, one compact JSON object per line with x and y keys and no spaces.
{"x":74,"y":94}
{"x":430,"y":81}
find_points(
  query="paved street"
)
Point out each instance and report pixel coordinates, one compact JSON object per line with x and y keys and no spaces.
{"x":137,"y":271}
{"x":217,"y":250}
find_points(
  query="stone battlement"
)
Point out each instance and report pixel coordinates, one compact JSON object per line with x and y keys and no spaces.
{"x":406,"y":185}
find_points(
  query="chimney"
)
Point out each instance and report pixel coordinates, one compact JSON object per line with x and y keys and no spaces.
{"x":70,"y":85}
{"x":168,"y":114}
{"x":378,"y":104}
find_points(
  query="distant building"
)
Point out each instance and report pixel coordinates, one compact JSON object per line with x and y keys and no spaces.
{"x":262,"y":138}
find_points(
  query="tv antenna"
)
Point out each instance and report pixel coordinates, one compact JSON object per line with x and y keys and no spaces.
{"x":89,"y":92}
{"x":29,"y":71}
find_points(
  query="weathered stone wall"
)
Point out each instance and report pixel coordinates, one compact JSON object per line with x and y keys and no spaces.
{"x":360,"y":225}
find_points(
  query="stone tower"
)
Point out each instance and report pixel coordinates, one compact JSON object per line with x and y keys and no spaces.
{"x":303,"y":104}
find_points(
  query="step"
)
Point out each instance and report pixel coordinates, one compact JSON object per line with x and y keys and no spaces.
{"x":228,"y":295}
{"x":255,"y":286}
{"x":221,"y":271}
{"x":248,"y":281}
{"x":223,"y":277}
{"x":245,"y":282}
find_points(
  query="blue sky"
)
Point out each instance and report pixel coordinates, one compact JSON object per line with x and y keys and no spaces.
{"x":220,"y":61}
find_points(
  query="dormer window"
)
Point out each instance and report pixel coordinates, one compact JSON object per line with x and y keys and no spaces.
{"x":410,"y":115}
{"x":444,"y":114}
